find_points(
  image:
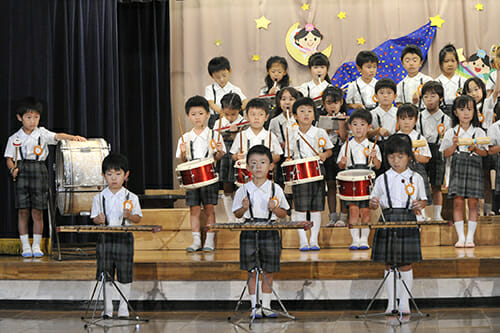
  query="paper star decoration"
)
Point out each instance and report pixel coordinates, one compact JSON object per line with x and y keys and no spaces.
{"x":217,"y":42}
{"x":460,"y":53}
{"x":361,"y":41}
{"x":479,"y":6}
{"x":305,"y":7}
{"x":341,"y":15}
{"x":436,"y":21}
{"x":262,"y":22}
{"x":256,"y":57}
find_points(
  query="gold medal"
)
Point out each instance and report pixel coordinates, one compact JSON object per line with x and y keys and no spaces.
{"x":441,"y":128}
{"x":213,"y":144}
{"x":38,"y":150}
{"x":366,"y":151}
{"x":128,"y":205}
{"x":410,"y":189}
{"x":276,"y":201}
{"x":480,"y":117}
{"x":322,"y":142}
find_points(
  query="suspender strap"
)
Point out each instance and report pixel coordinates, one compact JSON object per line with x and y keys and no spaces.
{"x":404,"y":96}
{"x":437,"y":137}
{"x":21,"y":152}
{"x":104,"y":209}
{"x":40,"y":144}
{"x":387,"y":190}
{"x":215,"y":95}
{"x":282,"y":132}
{"x":409,"y":196}
{"x":250,"y":210}
{"x":308,"y":91}
{"x":360,"y":95}
{"x":420,"y":98}
{"x":126,"y":199}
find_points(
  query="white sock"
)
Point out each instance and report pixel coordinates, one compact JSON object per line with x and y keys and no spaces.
{"x":365,"y":232}
{"x":228,"y":207}
{"x":36,"y":243}
{"x":196,"y":240}
{"x":389,"y":289}
{"x":266,"y":300}
{"x":301,"y":216}
{"x":25,"y":241}
{"x":437,"y":212}
{"x":459,"y":227}
{"x":316,"y":219}
{"x":209,"y":240}
{"x":471,"y":229}
{"x":125,"y":289}
{"x":404,"y":297}
{"x":487,"y":208}
{"x":355,"y":235}
{"x":108,"y":300}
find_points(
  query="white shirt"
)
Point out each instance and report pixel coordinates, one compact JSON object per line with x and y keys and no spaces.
{"x":315,"y":137}
{"x":423,"y":151}
{"x":448,"y":138}
{"x":410,"y":85}
{"x":388,"y":119}
{"x":490,"y":84}
{"x":29,"y":142}
{"x":280,"y":123}
{"x":114,"y":205}
{"x":220,"y":92}
{"x":367,"y":91}
{"x":451,"y":87}
{"x":310,"y":89}
{"x":494,"y":134}
{"x":259,"y":198}
{"x":357,"y":152}
{"x":397,"y":185}
{"x":250,"y":139}
{"x":200,"y":144}
{"x":488,"y":112}
{"x":428,"y":123}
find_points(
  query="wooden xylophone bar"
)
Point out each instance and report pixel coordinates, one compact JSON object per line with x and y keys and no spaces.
{"x":400,"y":224}
{"x":249,"y":226}
{"x":107,"y":229}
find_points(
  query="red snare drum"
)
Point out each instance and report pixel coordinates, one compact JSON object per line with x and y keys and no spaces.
{"x":197,"y":173}
{"x":242,"y":175}
{"x":305,"y":170}
{"x":355,"y":184}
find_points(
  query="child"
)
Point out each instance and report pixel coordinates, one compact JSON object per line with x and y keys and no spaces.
{"x":432,"y":124}
{"x":27,"y":167}
{"x":318,"y":67}
{"x":260,"y":201}
{"x":398,"y":192}
{"x":360,"y":155}
{"x":360,"y":92}
{"x":220,"y":70}
{"x":494,"y":149}
{"x":277,"y":76}
{"x":198,"y":144}
{"x":408,"y":89}
{"x":407,"y":119}
{"x":451,"y":82}
{"x":116,"y":206}
{"x":231,"y":107}
{"x":309,"y":196}
{"x":466,"y":174}
{"x":334,"y":106}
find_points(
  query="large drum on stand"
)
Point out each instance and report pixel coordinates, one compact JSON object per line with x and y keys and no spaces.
{"x":79,"y":174}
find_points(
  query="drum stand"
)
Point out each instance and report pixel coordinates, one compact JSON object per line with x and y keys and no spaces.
{"x":259,"y":272}
{"x":53,"y":226}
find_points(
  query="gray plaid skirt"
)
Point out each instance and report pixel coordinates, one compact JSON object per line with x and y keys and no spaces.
{"x":32,"y":185}
{"x":226,"y":165}
{"x":206,"y":195}
{"x":397,"y":246}
{"x":496,"y":158}
{"x":436,"y":166}
{"x":269,"y":250}
{"x":466,"y":176}
{"x":115,"y":253}
{"x":420,"y":169}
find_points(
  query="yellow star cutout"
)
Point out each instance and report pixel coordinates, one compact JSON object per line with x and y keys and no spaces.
{"x":361,"y":41}
{"x":341,"y":15}
{"x":305,"y":7}
{"x":217,"y":42}
{"x":256,"y":57}
{"x":479,"y":6}
{"x":460,"y":53}
{"x":436,"y":21}
{"x":262,"y":22}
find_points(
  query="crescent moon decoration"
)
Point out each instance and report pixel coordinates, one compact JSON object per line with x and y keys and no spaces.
{"x":295,"y":51}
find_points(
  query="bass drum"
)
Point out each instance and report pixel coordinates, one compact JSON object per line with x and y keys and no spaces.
{"x":79,"y":174}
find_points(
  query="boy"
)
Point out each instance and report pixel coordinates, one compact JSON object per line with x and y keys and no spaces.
{"x":220,"y":70}
{"x":408,"y":89}
{"x":407,"y":119}
{"x":200,"y":143}
{"x":116,"y":206}
{"x":360,"y":92}
{"x":309,"y":196}
{"x":361,"y":153}
{"x":26,"y":152}
{"x":432,"y":124}
{"x":257,"y":115}
{"x":260,"y":200}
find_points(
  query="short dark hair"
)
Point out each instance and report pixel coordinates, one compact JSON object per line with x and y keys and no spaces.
{"x":398,"y":143}
{"x":361,"y":114}
{"x":231,"y":101}
{"x":433,"y":86}
{"x":386,"y":83}
{"x":257,"y":103}
{"x":336,"y":94}
{"x":303,"y":101}
{"x":448,"y":48}
{"x":461,"y":102}
{"x":28,"y":104}
{"x":260,"y":150}
{"x":407,"y":110}
{"x":218,"y":64}
{"x":412,"y":49}
{"x":115,"y":161}
{"x":364,"y":57}
{"x":196,"y":101}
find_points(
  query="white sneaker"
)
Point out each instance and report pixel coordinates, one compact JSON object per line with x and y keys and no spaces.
{"x":354,"y":246}
{"x":37,"y":252}
{"x":27,"y":253}
{"x":123,"y":310}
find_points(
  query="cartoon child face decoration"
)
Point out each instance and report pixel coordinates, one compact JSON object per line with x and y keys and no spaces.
{"x":479,"y":63}
{"x":308,"y":38}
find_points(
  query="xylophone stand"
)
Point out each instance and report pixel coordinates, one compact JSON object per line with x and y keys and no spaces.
{"x":259,"y":271}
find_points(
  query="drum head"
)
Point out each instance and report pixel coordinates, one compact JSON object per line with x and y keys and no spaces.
{"x":356,"y":174}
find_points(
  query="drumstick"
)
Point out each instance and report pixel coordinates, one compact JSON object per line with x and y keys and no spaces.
{"x":374,"y":145}
{"x":458,"y":131}
{"x":180,"y":128}
{"x":312,"y":148}
{"x":270,"y":140}
{"x":346,"y":146}
{"x":220,"y":125}
{"x":287,"y":143}
{"x":241,"y":143}
{"x":17,"y":143}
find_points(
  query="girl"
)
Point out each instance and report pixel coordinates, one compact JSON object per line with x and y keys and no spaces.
{"x":318,"y":67}
{"x":451,"y":82}
{"x":277,"y":76}
{"x":466,"y":174}
{"x":494,"y":150}
{"x":399,"y":192}
{"x":334,"y":105}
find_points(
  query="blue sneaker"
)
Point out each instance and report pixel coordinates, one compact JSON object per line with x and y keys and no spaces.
{"x":314,"y":248}
{"x":305,"y":248}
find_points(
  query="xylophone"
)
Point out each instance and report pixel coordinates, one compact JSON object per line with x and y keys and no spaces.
{"x":262,"y":225}
{"x":399,"y":224}
{"x":107,"y":229}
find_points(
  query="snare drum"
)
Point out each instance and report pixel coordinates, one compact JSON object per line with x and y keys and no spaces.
{"x":79,"y":174}
{"x":304,"y":170}
{"x":242,"y":175}
{"x":355,"y":184}
{"x":197,"y":173}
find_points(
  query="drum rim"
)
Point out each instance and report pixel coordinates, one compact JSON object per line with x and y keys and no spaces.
{"x":352,"y":198}
{"x":201,"y":184}
{"x":208,"y":160}
{"x":301,"y":160}
{"x":343,"y":177}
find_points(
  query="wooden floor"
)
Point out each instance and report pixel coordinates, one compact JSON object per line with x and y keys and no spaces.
{"x":438,"y":262}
